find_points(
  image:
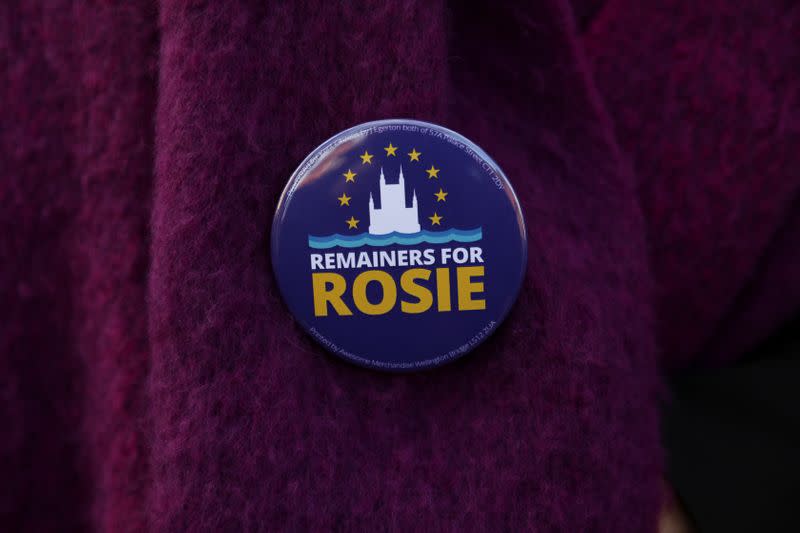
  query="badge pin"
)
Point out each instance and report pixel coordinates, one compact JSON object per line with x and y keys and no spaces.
{"x":399,"y":245}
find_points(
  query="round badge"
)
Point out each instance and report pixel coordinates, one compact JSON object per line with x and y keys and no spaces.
{"x":399,"y":245}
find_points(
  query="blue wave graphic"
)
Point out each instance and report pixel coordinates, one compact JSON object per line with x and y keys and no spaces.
{"x":365,"y":239}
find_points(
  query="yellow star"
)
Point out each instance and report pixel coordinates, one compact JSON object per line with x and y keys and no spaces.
{"x":349,"y":176}
{"x":390,"y":150}
{"x":436,"y":219}
{"x":352,"y":223}
{"x":433,"y":172}
{"x":414,"y":155}
{"x":440,"y":196}
{"x":366,"y":157}
{"x":345,"y":200}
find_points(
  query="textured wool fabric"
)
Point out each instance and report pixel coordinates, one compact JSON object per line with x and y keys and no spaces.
{"x":707,"y":104}
{"x":151,"y":377}
{"x":78,"y":103}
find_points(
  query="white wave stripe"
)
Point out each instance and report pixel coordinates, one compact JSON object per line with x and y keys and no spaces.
{"x":406,"y":239}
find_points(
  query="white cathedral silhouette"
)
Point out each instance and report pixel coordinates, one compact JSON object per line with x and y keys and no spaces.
{"x":393,"y":214}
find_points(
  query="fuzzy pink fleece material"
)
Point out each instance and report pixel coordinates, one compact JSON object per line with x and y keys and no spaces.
{"x":152,"y":379}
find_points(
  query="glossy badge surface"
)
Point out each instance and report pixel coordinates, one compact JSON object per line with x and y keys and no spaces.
{"x":399,"y":245}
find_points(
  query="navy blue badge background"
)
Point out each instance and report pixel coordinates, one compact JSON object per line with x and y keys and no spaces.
{"x":309,"y":206}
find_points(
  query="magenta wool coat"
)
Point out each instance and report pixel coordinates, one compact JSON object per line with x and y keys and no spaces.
{"x":151,"y":378}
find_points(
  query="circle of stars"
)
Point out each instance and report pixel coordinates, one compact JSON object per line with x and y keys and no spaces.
{"x":391,"y":151}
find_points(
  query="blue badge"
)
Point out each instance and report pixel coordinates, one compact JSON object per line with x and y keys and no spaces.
{"x":399,"y":245}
